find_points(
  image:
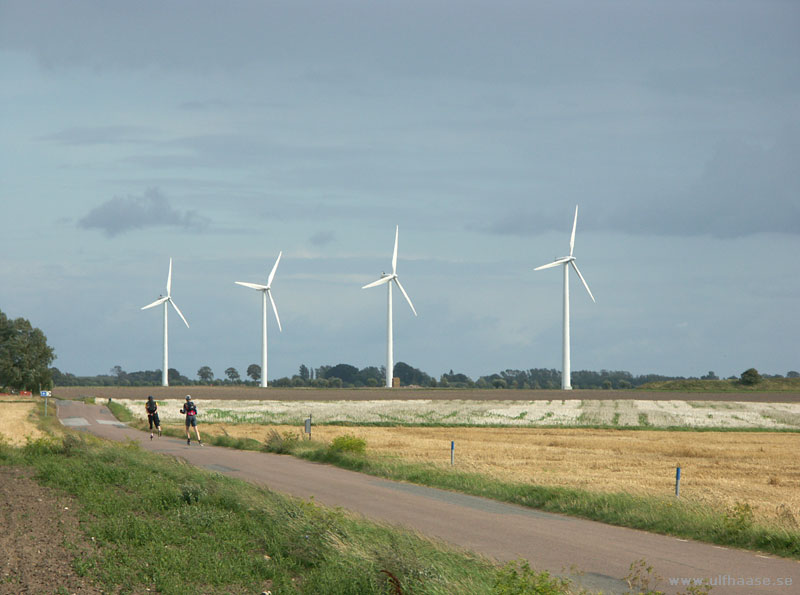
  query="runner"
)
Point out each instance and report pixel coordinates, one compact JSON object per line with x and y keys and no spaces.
{"x":152,"y":415}
{"x":190,"y":411}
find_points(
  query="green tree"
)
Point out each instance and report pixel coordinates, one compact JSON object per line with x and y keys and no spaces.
{"x":346,"y":372}
{"x":25,"y":357}
{"x":254,"y":371}
{"x":205,"y":374}
{"x":232,"y":374}
{"x":304,"y":373}
{"x":409,"y":375}
{"x":750,"y":377}
{"x":176,"y":378}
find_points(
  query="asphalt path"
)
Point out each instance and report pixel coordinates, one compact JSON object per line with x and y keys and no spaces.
{"x":594,"y":555}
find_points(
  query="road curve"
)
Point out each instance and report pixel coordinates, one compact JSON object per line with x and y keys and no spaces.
{"x":600,"y":553}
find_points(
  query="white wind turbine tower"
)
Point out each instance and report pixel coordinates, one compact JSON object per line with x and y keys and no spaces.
{"x":266,"y":291}
{"x":387,"y":279}
{"x":166,"y":300}
{"x":566,"y":261}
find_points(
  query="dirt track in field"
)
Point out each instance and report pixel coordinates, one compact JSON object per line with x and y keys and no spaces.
{"x":248,"y":393}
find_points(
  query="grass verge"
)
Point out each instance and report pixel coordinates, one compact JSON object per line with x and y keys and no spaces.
{"x":156,"y":524}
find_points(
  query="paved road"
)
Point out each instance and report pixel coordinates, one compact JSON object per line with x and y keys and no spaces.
{"x":601,"y":553}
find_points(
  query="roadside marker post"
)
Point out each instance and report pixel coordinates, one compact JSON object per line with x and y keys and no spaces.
{"x":45,"y":394}
{"x":678,"y":482}
{"x":452,"y":452}
{"x":308,"y":426}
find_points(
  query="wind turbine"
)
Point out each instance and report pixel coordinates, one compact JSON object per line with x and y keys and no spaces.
{"x":265,"y":292}
{"x":166,"y":300}
{"x":566,"y":261}
{"x":387,"y":279}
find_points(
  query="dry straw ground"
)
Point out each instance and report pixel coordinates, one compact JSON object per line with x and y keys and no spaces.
{"x":16,"y":424}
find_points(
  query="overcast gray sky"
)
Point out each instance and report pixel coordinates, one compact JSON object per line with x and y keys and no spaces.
{"x":220,"y":133}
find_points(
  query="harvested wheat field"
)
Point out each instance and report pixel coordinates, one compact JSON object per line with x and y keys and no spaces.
{"x":718,"y":468}
{"x":16,"y":426}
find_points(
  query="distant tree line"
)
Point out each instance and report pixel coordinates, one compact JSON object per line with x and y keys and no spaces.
{"x":349,"y":376}
{"x":25,"y":360}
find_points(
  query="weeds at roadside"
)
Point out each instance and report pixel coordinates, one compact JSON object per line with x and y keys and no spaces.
{"x":517,"y":578}
{"x":643,"y":579}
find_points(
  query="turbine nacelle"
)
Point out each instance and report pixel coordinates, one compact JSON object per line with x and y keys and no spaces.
{"x":167,"y":298}
{"x":267,"y":289}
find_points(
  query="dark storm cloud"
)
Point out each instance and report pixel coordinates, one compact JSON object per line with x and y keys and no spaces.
{"x":743,"y":189}
{"x":123,"y":214}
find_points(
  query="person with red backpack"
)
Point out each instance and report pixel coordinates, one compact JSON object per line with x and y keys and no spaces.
{"x":151,"y":406}
{"x":190,"y":411}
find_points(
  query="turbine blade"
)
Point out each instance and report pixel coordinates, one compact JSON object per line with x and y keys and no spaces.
{"x":394,"y":254}
{"x":586,"y":285}
{"x":274,"y":268}
{"x":550,"y":265}
{"x":408,"y":299}
{"x":179,"y":312}
{"x":158,"y":302}
{"x":274,"y":309}
{"x":572,"y":237}
{"x":380,"y":281}
{"x":251,"y":285}
{"x":169,"y":278}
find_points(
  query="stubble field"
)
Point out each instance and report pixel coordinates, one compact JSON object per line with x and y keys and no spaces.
{"x":17,"y":425}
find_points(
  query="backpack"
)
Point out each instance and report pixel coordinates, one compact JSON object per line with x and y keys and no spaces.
{"x":190,"y":408}
{"x":151,"y":406}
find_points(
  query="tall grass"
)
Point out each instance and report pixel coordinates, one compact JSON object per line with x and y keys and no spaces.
{"x":157,"y":524}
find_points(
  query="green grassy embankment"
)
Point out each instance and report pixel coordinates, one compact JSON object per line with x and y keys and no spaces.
{"x":153,"y":523}
{"x":695,"y":385}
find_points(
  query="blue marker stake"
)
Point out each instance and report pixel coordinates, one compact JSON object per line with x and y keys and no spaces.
{"x":452,"y":452}
{"x":678,"y":482}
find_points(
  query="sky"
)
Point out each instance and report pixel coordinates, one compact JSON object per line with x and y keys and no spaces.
{"x":219,"y":134}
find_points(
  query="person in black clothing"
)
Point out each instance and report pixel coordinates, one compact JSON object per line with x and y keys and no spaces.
{"x":190,"y":411}
{"x":152,"y":415}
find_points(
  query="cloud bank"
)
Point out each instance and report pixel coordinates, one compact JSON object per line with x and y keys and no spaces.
{"x":122,"y":214}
